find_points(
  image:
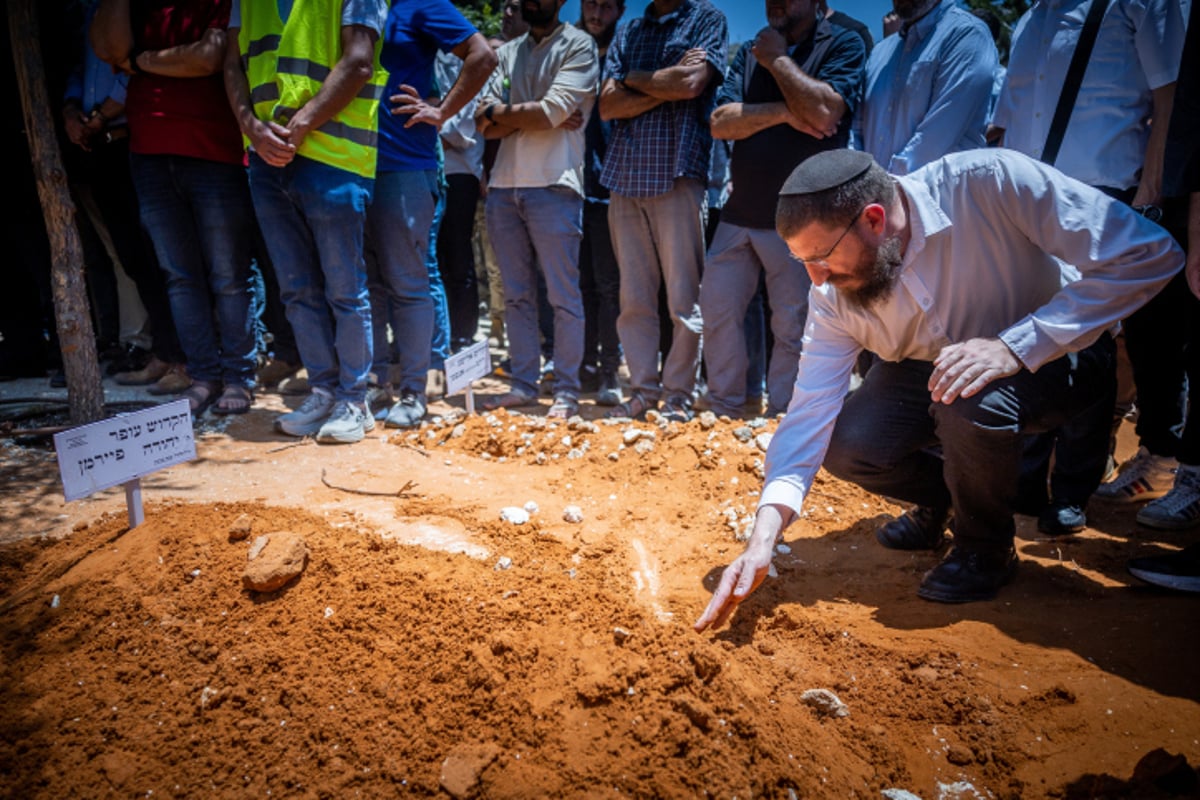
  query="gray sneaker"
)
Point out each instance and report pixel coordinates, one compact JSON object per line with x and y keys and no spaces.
{"x":308,"y":418}
{"x":347,"y":423}
{"x":380,"y":399}
{"x":407,"y":413}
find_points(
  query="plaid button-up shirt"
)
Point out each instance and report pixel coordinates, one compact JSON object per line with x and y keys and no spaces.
{"x":648,"y":152}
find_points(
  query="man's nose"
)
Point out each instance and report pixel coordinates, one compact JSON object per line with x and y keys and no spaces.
{"x":817,"y":271}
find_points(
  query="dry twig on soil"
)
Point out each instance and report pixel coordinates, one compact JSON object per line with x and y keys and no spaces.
{"x":398,"y":493}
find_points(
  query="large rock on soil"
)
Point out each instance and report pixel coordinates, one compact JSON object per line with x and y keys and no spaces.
{"x":275,"y":559}
{"x":463,"y":766}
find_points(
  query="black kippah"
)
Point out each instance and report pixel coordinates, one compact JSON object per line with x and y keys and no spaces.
{"x":825,"y":171}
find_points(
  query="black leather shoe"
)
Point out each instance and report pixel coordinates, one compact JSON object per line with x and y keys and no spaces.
{"x":922,"y":528}
{"x":965,"y":576}
{"x":1061,"y":519}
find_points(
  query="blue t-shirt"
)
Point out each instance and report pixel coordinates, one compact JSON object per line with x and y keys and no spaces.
{"x":414,"y":32}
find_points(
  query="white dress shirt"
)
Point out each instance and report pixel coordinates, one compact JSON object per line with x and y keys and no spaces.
{"x":993,"y":237}
{"x":1137,"y":50}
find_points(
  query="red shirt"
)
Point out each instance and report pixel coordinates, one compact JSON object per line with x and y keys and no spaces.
{"x":180,"y":116}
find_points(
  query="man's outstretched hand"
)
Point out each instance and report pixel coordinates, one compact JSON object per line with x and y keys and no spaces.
{"x":745,"y":574}
{"x":737,"y":582}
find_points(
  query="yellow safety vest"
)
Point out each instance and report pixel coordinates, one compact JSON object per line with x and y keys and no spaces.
{"x":287,"y":63}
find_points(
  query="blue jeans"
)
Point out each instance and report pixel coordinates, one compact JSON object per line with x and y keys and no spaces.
{"x":398,"y":236}
{"x":887,"y":434}
{"x":440,"y":342}
{"x":531,"y":228}
{"x":200,"y":220}
{"x":312,"y":218}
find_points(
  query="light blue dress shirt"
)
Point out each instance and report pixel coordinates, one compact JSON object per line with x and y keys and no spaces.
{"x":1137,"y":50}
{"x":927,"y":91}
{"x":993,"y":237}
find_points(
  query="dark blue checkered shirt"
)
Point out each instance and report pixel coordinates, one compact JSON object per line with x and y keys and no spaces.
{"x":648,"y":152}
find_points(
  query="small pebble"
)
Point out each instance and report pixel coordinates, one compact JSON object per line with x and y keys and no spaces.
{"x":573,"y":514}
{"x":531,"y":507}
{"x":504,"y":563}
{"x":763,"y":440}
{"x":514,"y":515}
{"x":825,"y":702}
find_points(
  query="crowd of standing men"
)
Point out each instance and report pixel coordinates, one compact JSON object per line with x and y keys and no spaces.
{"x":318,"y":167}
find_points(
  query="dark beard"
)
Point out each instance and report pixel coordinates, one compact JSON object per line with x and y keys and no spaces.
{"x":879,"y":277}
{"x":539,"y":18}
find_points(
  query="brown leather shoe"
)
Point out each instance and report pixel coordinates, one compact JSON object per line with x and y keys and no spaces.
{"x":174,"y":381}
{"x":145,"y":376}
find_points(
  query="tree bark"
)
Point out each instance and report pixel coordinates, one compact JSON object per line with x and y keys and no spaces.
{"x":85,"y":395}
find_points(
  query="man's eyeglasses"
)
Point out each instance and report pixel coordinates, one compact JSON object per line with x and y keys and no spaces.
{"x":820,"y":260}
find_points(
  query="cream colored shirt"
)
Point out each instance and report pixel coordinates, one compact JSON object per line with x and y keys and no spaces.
{"x":562,"y":74}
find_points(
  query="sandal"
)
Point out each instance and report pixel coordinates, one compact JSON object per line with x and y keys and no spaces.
{"x":200,"y":395}
{"x":634,"y":408}
{"x":510,"y":399}
{"x":236,"y":399}
{"x":564,"y":407}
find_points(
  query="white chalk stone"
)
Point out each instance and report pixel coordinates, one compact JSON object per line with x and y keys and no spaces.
{"x":514,"y":515}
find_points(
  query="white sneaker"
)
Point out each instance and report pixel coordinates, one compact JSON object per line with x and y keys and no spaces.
{"x":347,"y":423}
{"x":1143,"y":477}
{"x":1179,"y":508}
{"x":308,"y":418}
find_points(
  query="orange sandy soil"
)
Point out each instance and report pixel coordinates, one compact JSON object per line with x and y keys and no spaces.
{"x":405,"y":662}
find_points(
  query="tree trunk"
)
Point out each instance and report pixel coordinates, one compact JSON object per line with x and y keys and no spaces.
{"x":84,"y":392}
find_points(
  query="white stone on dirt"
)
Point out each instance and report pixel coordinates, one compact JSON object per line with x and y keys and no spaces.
{"x":614,"y":456}
{"x":826,"y":703}
{"x":621,"y":635}
{"x":573,"y":514}
{"x":257,"y":547}
{"x":743,"y":433}
{"x":540,"y":458}
{"x":632,"y":435}
{"x":646,"y":445}
{"x":459,"y":431}
{"x":707,"y":420}
{"x":763,"y":440}
{"x":503,"y":563}
{"x":531,"y":507}
{"x":275,"y":560}
{"x":514,"y":515}
{"x":899,"y":794}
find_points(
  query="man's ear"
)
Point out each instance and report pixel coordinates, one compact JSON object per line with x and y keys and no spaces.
{"x":876,"y":218}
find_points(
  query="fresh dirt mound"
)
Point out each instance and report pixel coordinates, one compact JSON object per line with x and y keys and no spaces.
{"x":388,"y":669}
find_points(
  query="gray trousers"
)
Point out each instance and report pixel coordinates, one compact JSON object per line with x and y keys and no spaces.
{"x":660,"y":239}
{"x":887,"y":436}
{"x":736,"y":258}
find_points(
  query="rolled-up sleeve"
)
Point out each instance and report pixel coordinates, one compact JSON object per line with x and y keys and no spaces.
{"x":574,"y":85}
